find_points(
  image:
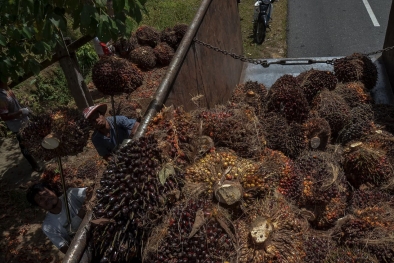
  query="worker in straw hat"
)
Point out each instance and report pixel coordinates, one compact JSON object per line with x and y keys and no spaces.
{"x":104,"y":136}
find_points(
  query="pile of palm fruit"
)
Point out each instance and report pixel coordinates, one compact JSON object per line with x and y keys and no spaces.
{"x":146,"y":49}
{"x":66,"y":125}
{"x":300,"y":172}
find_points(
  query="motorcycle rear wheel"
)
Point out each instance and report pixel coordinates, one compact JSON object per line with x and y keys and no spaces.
{"x":259,"y":32}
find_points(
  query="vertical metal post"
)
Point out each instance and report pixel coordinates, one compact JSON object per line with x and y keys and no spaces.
{"x":64,"y":190}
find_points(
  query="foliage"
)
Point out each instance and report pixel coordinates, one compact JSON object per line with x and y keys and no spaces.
{"x":31,"y":29}
{"x":86,"y":58}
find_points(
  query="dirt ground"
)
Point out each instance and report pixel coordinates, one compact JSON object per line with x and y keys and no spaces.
{"x":21,"y":237}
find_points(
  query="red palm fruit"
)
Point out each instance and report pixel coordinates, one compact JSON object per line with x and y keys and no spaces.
{"x":354,"y":93}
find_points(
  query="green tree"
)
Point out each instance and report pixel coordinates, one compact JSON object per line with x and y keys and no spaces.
{"x":31,"y":29}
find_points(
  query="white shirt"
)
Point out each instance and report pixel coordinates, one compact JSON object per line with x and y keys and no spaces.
{"x":54,"y":224}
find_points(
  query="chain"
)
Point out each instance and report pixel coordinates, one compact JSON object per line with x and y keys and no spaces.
{"x":265,"y":62}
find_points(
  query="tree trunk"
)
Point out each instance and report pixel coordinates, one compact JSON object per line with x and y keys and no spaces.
{"x":75,"y":81}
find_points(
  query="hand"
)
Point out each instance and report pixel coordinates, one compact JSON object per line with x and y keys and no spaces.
{"x":25,"y":111}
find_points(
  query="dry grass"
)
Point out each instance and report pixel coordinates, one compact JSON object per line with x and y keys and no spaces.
{"x":275,"y":44}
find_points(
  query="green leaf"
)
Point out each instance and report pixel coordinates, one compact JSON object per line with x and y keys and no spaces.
{"x":47,"y":30}
{"x":166,"y":172}
{"x":103,"y":18}
{"x":58,"y":21}
{"x":26,"y":31}
{"x":101,"y":3}
{"x":87,"y":13}
{"x":3,"y":41}
{"x":118,"y":5}
{"x":129,"y":25}
{"x":104,"y":32}
{"x":40,"y":48}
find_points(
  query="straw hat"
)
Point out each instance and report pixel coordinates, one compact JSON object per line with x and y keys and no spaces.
{"x":102,"y":108}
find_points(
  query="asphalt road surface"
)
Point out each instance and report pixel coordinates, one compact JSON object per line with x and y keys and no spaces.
{"x":321,"y":28}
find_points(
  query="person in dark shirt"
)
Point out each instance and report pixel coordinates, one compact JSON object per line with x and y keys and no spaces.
{"x":104,"y":136}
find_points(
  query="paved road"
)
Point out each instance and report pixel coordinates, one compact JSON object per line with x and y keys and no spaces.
{"x":336,"y":28}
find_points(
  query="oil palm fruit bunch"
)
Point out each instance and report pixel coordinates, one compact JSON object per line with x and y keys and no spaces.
{"x":51,"y":177}
{"x":180,"y":31}
{"x":383,"y":140}
{"x":147,"y":36}
{"x":359,"y":125}
{"x":223,"y":165}
{"x":164,"y":53}
{"x":169,"y":36}
{"x":356,"y":67}
{"x":370,"y":228}
{"x":253,"y":94}
{"x":236,"y":128}
{"x":67,"y":125}
{"x":130,"y":198}
{"x":343,"y":254}
{"x":176,"y":132}
{"x":275,"y":131}
{"x":313,"y":81}
{"x":297,"y":140}
{"x":325,"y":188}
{"x":317,"y":132}
{"x":384,"y":116}
{"x":367,"y":163}
{"x":354,"y":93}
{"x":271,"y":231}
{"x":333,"y":108}
{"x":124,"y":46}
{"x":194,"y":231}
{"x":276,"y":173}
{"x":318,"y":245}
{"x":112,"y":75}
{"x":144,"y":57}
{"x":287,"y":98}
{"x":364,"y":198}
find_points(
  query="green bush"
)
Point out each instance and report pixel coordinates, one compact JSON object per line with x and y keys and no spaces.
{"x":86,"y":56}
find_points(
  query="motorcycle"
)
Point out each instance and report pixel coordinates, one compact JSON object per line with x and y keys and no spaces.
{"x":261,"y":18}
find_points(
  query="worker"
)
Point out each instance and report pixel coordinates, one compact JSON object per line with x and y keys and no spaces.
{"x":15,"y":117}
{"x":55,"y":225}
{"x":106,"y":137}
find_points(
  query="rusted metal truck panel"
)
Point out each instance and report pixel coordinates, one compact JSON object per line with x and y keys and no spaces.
{"x":197,"y":70}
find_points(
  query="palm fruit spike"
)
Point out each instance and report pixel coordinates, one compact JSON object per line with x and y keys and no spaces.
{"x":332,"y":108}
{"x":318,"y":245}
{"x":346,"y":254}
{"x":324,"y":188}
{"x":360,"y":124}
{"x":383,"y":140}
{"x":194,"y":231}
{"x":168,"y":35}
{"x":143,"y":57}
{"x":276,"y":172}
{"x":369,"y":228}
{"x":147,"y":36}
{"x":220,"y":166}
{"x":384,"y":115}
{"x":354,"y":93}
{"x":68,"y":126}
{"x":366,"y":163}
{"x":313,"y":81}
{"x":251,"y":93}
{"x":297,"y":140}
{"x":133,"y":198}
{"x":273,"y":234}
{"x":176,"y":132}
{"x":180,"y":31}
{"x":275,"y":131}
{"x":112,"y":75}
{"x":287,"y":98}
{"x":356,"y":67}
{"x":164,"y":53}
{"x":234,"y":127}
{"x":317,"y":132}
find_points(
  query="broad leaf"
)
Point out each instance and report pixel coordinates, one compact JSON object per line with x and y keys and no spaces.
{"x":118,"y":5}
{"x":3,"y":41}
{"x":34,"y":66}
{"x":87,"y":13}
{"x":166,"y":172}
{"x":101,"y":3}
